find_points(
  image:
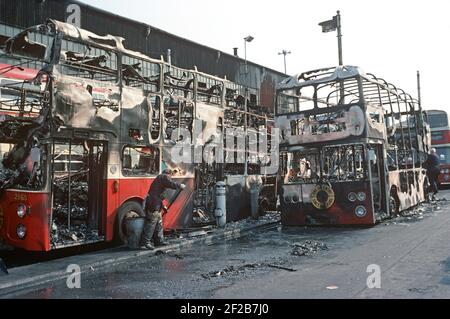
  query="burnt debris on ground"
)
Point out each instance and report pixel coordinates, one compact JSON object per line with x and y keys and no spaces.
{"x":418,"y":212}
{"x":232,"y":270}
{"x":307,"y":247}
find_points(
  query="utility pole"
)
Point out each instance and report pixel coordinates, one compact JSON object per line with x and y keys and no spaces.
{"x":331,"y":25}
{"x":339,"y":36}
{"x":284,"y":52}
{"x":246,"y":39}
{"x":419,"y":98}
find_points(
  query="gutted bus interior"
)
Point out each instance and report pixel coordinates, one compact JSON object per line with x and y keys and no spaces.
{"x":343,"y":127}
{"x":97,"y":120}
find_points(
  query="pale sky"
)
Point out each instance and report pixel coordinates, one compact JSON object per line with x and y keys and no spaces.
{"x":389,"y":38}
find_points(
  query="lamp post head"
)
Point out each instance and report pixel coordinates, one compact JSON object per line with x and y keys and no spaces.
{"x":248,"y":38}
{"x":284,"y":52}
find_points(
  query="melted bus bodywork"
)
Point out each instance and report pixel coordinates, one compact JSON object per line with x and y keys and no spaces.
{"x":352,"y":147}
{"x":86,"y":125}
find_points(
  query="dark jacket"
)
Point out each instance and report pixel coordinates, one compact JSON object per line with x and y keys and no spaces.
{"x":432,"y":165}
{"x":154,"y":197}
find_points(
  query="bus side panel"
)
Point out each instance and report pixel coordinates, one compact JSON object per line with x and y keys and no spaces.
{"x":36,"y":221}
{"x":180,"y":212}
{"x":180,"y":207}
{"x":125,"y":190}
{"x":112,"y":206}
{"x":408,"y":187}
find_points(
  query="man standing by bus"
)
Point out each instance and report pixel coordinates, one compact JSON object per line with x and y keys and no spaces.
{"x":153,"y":228}
{"x":433,"y":170}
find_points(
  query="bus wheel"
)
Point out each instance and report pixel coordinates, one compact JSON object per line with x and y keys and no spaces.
{"x":120,"y":235}
{"x":393,"y":205}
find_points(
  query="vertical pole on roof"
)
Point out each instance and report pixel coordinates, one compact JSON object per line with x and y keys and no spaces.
{"x":339,"y":36}
{"x":341,"y":63}
{"x":418,"y":91}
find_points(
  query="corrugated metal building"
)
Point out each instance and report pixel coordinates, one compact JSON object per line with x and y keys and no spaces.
{"x":18,"y":14}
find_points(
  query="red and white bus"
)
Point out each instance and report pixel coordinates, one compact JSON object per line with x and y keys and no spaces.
{"x":83,"y":137}
{"x":440,"y":139}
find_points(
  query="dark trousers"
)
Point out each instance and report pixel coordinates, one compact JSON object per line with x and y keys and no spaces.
{"x":433,"y":178}
{"x":153,"y":228}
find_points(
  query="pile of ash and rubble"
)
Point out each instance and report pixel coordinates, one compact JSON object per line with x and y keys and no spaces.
{"x":62,"y":233}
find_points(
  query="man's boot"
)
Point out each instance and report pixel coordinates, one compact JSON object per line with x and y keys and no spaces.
{"x":158,"y":235}
{"x":147,"y":234}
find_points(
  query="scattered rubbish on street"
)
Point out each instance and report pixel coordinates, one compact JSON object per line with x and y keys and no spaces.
{"x":231,"y":269}
{"x":281,"y":267}
{"x":416,"y":213}
{"x":307,"y":248}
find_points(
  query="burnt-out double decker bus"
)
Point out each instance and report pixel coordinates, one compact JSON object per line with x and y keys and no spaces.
{"x":352,"y":147}
{"x":85,"y":127}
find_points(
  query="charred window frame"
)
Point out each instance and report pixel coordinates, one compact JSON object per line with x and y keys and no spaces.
{"x":88,"y":61}
{"x":341,"y":163}
{"x":318,"y":96}
{"x":20,"y":57}
{"x":21,"y":96}
{"x":178,"y":82}
{"x":69,"y":157}
{"x":140,"y":160}
{"x":178,"y":114}
{"x":155,"y":103}
{"x":141,"y":74}
{"x":178,"y":100}
{"x":32,"y":173}
{"x":209,"y":90}
{"x":287,"y":102}
{"x":234,"y":95}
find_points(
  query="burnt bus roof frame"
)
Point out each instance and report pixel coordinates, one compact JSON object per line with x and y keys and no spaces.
{"x":357,"y":74}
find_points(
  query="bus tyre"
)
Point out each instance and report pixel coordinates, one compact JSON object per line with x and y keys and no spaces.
{"x":393,"y":205}
{"x":120,"y":236}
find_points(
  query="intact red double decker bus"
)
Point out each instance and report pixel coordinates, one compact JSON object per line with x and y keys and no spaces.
{"x":440,"y":139}
{"x":85,"y":127}
{"x":352,"y":147}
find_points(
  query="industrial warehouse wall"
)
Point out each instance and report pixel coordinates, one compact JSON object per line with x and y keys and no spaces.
{"x":184,"y":53}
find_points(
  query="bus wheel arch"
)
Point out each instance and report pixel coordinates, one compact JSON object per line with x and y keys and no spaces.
{"x":131,"y":206}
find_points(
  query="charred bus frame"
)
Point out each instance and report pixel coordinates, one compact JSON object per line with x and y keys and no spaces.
{"x":352,"y":148}
{"x":81,"y":149}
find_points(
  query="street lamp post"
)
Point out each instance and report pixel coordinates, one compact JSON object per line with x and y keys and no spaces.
{"x":284,"y":52}
{"x":331,"y":25}
{"x":339,"y":36}
{"x":246,"y":39}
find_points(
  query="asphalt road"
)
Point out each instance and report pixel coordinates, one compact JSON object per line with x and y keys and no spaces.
{"x":411,"y":252}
